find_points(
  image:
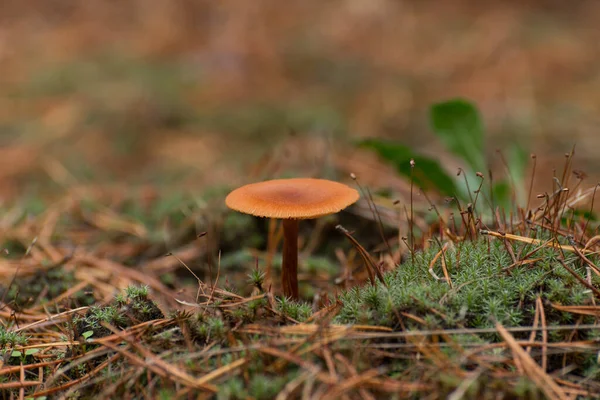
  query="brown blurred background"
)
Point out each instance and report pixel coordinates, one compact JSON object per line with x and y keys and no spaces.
{"x":203,"y":93}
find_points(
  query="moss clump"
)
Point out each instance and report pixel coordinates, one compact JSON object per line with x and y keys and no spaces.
{"x":482,"y":291}
{"x":138,"y":306}
{"x":298,"y":311}
{"x":11,"y":339}
{"x":206,"y":328}
{"x":129,"y":308}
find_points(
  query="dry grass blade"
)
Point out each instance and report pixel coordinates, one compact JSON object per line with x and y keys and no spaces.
{"x":579,"y":278}
{"x":341,"y":388}
{"x":549,"y":243}
{"x":52,"y":318}
{"x":292,"y":385}
{"x":155,"y":363}
{"x":533,"y":371}
{"x":211,"y":376}
{"x":371,"y":266}
{"x":284,"y":355}
{"x":353,"y":373}
{"x":444,"y":266}
{"x":581,"y":310}
{"x":583,"y":257}
{"x":461,"y":390}
{"x":49,"y":390}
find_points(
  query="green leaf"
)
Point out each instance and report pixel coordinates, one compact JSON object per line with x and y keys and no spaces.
{"x":30,"y":352}
{"x":428,"y":173}
{"x":87,"y":334}
{"x":458,"y":124}
{"x":16,"y":354}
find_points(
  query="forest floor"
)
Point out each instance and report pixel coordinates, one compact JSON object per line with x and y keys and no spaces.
{"x":124,"y":275}
{"x":108,"y":292}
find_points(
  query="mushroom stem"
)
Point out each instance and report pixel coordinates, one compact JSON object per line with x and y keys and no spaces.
{"x":289,"y":267}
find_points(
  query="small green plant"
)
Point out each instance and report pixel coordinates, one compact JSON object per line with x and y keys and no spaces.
{"x":257,"y":278}
{"x":209,"y":328}
{"x":24,"y":357}
{"x":298,"y":311}
{"x":121,"y":299}
{"x":128,"y":308}
{"x":458,"y":125}
{"x":11,"y":339}
{"x":87,"y":334}
{"x":134,"y":292}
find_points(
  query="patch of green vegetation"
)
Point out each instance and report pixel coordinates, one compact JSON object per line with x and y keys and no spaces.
{"x":482,"y":292}
{"x":13,"y":249}
{"x":298,"y":311}
{"x":134,"y":293}
{"x":458,"y":125}
{"x":205,"y":328}
{"x":91,"y":324}
{"x":257,"y":278}
{"x":129,"y":308}
{"x":8,"y":341}
{"x":255,"y":305}
{"x":11,"y":339}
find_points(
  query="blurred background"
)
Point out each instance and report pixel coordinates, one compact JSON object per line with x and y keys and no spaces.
{"x":200,"y":94}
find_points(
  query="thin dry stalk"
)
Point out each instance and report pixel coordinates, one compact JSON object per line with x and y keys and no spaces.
{"x":533,"y":371}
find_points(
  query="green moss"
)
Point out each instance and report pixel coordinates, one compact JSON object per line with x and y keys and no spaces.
{"x":205,"y":329}
{"x":298,"y":311}
{"x":482,"y":291}
{"x":11,"y":339}
{"x":256,"y":278}
{"x":128,"y":308}
{"x":134,"y":292}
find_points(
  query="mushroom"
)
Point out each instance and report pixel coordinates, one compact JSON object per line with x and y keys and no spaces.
{"x":291,"y":200}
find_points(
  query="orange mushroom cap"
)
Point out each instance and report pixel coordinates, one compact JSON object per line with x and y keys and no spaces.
{"x":299,"y":198}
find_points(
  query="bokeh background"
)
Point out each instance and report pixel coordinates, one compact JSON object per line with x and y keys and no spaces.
{"x":198,"y":93}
